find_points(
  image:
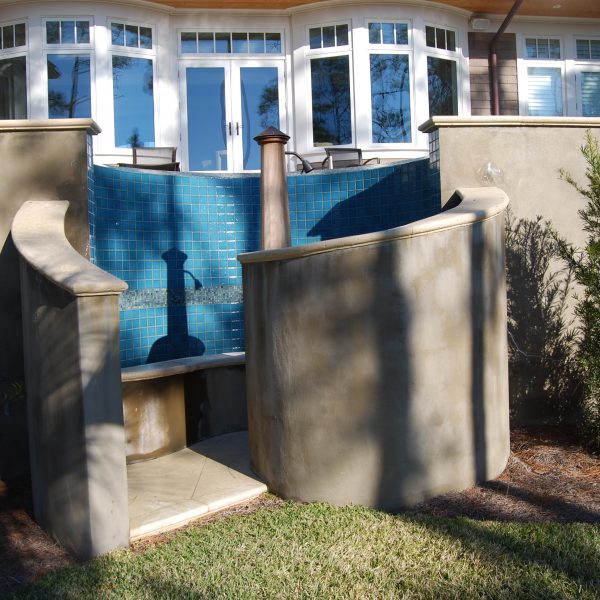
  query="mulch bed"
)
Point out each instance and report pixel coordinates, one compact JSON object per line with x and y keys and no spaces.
{"x":549,"y":477}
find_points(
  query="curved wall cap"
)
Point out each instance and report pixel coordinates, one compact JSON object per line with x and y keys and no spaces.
{"x":39,"y":234}
{"x":477,"y":204}
{"x":88,"y":125}
{"x":507,"y":121}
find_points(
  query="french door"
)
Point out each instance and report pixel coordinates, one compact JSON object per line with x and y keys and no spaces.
{"x":225,"y":104}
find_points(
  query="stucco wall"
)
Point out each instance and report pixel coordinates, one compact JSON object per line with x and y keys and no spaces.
{"x":376,"y":365}
{"x":524,"y":156}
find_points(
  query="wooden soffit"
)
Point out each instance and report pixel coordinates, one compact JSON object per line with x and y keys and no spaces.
{"x":535,"y":8}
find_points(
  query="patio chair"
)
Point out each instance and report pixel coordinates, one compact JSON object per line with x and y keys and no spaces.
{"x":344,"y":157}
{"x":161,"y":158}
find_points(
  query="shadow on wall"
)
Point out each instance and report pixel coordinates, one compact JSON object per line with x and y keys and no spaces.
{"x":398,"y":199}
{"x":545,"y":387}
{"x":177,"y":343}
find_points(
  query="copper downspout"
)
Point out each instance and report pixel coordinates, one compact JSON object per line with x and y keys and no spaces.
{"x":493,"y":60}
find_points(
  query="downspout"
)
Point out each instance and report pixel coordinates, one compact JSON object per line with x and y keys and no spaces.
{"x":493,"y":59}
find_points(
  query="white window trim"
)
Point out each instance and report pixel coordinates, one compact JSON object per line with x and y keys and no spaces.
{"x":456,"y":53}
{"x":130,"y":49}
{"x":74,"y":46}
{"x":335,"y":49}
{"x":18,"y":49}
{"x":523,"y":80}
{"x":401,"y":47}
{"x":228,"y":56}
{"x":66,"y":52}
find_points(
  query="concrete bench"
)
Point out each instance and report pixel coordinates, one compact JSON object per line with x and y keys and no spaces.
{"x":171,"y":404}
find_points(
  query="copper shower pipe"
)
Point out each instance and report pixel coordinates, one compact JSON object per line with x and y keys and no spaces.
{"x":493,"y":60}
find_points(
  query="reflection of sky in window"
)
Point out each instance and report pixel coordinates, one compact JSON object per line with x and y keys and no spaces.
{"x":260,"y":108}
{"x":134,"y":100}
{"x":69,"y":86}
{"x":207,"y":144}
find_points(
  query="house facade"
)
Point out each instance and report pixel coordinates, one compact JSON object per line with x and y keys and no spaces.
{"x":208,"y":76}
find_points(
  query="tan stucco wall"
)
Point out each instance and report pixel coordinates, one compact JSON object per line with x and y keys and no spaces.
{"x":376,"y":366}
{"x":39,"y":160}
{"x":524,"y":156}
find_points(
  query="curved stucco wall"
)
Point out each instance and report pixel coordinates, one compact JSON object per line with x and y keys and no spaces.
{"x":377,"y":364}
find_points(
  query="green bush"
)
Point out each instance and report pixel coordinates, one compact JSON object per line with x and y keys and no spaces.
{"x":585,"y":263}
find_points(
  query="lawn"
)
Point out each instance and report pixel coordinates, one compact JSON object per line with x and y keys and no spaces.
{"x":319,"y":551}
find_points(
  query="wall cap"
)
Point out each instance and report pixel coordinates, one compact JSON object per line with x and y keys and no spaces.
{"x":39,"y":235}
{"x":180,"y":366}
{"x":436,"y":123}
{"x":477,"y":204}
{"x":88,"y":125}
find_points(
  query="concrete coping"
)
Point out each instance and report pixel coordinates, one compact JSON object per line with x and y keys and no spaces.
{"x":88,"y":125}
{"x":180,"y":366}
{"x":477,"y":204}
{"x":507,"y":121}
{"x":39,"y":234}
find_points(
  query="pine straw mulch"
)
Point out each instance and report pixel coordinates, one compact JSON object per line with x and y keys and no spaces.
{"x":549,"y":477}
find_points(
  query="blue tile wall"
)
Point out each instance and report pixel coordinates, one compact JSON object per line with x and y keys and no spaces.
{"x":174,"y":238}
{"x":91,"y":198}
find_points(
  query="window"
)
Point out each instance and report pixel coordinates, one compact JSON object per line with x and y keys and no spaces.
{"x":388,"y":33}
{"x":542,"y":49}
{"x":442,"y":86}
{"x":13,"y":88}
{"x":588,"y":49}
{"x":390,"y":98}
{"x":544,"y":77}
{"x":131,"y":36}
{"x":12,"y":36}
{"x":329,"y":36}
{"x":133,"y":95}
{"x":544,"y":91}
{"x":68,"y":31}
{"x":590,"y":93}
{"x":437,"y":37}
{"x":331,"y":110}
{"x":69,"y":89}
{"x":198,"y":42}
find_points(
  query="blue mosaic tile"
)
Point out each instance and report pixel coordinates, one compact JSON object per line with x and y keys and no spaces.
{"x":174,"y":239}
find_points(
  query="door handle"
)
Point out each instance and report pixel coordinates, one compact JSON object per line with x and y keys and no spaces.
{"x":229,"y":125}
{"x":237,"y":128}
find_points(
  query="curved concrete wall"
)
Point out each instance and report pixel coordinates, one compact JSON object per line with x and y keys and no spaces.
{"x":73,"y":378}
{"x":376,"y":365}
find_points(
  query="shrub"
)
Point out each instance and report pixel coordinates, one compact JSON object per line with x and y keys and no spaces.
{"x":585,"y":263}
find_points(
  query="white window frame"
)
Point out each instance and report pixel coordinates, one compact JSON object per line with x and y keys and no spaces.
{"x":229,"y":55}
{"x":523,"y":64}
{"x":62,"y":46}
{"x":120,"y":21}
{"x":362,"y":93}
{"x":455,"y":55}
{"x":69,"y":49}
{"x":330,"y":52}
{"x":582,"y":65}
{"x":16,"y":52}
{"x":148,"y":53}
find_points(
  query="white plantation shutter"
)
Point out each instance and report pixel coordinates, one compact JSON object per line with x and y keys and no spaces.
{"x":590,"y":93}
{"x":544,"y":89}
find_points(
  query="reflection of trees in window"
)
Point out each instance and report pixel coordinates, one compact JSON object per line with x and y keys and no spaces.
{"x":441,"y":80}
{"x":390,"y":98}
{"x":268,"y":106}
{"x":330,"y":79}
{"x":133,"y":94}
{"x":69,"y":86}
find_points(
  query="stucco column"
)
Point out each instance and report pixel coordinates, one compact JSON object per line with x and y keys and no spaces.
{"x":275,"y":213}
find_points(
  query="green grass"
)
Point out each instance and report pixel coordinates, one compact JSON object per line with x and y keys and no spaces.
{"x":319,"y":551}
